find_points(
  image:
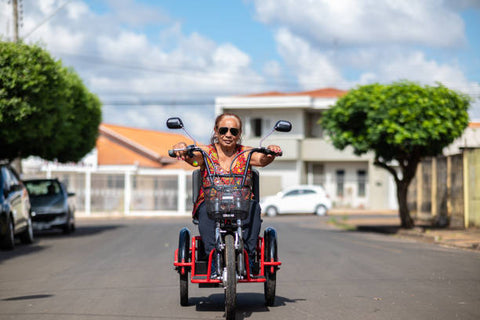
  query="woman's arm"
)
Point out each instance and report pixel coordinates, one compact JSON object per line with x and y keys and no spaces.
{"x":262,"y":160}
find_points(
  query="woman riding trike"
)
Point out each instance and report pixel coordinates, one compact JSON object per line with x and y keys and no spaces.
{"x":226,"y":194}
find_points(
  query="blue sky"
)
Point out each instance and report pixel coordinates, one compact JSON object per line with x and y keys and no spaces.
{"x":148,"y":60}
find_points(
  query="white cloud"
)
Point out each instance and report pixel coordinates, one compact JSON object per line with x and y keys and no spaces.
{"x":355,"y":22}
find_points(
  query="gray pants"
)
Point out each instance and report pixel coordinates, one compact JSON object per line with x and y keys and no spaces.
{"x":250,"y":226}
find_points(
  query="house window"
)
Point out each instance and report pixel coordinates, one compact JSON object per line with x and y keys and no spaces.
{"x":340,"y":174}
{"x":362,"y":182}
{"x":256,"y":125}
{"x":312,"y":127}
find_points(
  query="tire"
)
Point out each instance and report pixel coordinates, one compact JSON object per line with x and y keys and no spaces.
{"x":8,"y":241}
{"x":67,"y":228}
{"x":27,"y":236}
{"x":183,"y":255}
{"x":184,"y":289}
{"x":231,"y":278}
{"x":321,"y":210}
{"x":269,"y":288}
{"x":271,"y":211}
{"x":270,"y":253}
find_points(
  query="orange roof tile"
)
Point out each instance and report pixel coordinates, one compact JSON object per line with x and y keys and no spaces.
{"x":119,"y":145}
{"x":474,"y":125}
{"x":319,"y":93}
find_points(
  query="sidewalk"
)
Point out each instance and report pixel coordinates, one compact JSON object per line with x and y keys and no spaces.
{"x":389,"y":222}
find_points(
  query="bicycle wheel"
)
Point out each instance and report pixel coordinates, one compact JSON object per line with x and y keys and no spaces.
{"x":231,"y":278}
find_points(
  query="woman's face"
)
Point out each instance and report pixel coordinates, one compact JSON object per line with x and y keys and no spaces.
{"x":228,"y":139}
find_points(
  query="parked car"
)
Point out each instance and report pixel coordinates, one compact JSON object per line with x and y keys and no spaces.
{"x":52,"y":206}
{"x":298,"y":199}
{"x":15,"y":218}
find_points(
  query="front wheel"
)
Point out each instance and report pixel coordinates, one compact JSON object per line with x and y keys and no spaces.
{"x":230,"y":278}
{"x":8,"y":241}
{"x":321,"y":210}
{"x":27,"y":236}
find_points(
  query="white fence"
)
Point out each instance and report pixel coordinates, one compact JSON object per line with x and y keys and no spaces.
{"x":126,"y":190}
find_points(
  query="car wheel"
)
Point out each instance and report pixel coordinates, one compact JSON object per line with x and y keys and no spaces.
{"x":321,"y":210}
{"x":8,"y":241}
{"x":67,"y":228}
{"x":27,"y":236}
{"x":271,"y":211}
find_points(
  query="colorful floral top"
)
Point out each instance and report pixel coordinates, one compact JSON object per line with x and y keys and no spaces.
{"x":215,"y":167}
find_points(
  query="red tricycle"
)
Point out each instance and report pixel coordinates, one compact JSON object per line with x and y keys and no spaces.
{"x":227,"y":205}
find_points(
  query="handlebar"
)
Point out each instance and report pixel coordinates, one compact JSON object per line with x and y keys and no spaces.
{"x":192,"y":148}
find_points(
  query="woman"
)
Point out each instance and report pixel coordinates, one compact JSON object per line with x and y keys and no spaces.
{"x":225,"y":145}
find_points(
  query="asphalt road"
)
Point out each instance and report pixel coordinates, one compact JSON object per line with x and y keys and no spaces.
{"x":122,"y":269}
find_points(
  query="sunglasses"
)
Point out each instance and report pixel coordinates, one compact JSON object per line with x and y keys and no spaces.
{"x":233,"y":131}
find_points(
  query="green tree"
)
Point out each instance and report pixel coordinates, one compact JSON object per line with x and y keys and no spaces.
{"x":45,"y":110}
{"x":400,"y":123}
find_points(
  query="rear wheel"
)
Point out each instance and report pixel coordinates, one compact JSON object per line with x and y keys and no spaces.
{"x":184,"y":289}
{"x":231,"y":278}
{"x":269,"y":288}
{"x":271,"y":211}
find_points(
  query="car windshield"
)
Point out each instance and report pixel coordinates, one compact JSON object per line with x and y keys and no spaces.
{"x":42,"y":188}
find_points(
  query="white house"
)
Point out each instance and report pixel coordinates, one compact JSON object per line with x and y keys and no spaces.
{"x":350,"y":180}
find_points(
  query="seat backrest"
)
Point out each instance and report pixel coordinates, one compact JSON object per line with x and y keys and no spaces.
{"x":197,"y":184}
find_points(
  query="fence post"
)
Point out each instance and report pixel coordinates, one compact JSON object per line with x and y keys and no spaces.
{"x":466,"y":188}
{"x":419,"y":188}
{"x":434,"y":206}
{"x":127,"y":193}
{"x":88,"y":191}
{"x":449,"y":187}
{"x":182,"y":187}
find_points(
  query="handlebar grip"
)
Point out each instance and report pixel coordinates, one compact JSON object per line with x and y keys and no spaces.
{"x":268,"y":151}
{"x":171,"y":153}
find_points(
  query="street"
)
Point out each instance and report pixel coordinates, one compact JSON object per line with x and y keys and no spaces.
{"x":122,"y":269}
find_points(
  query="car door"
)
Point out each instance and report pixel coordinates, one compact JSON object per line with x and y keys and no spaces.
{"x":293,"y":202}
{"x":15,"y":196}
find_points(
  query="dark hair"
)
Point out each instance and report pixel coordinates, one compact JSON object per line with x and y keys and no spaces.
{"x":218,"y":119}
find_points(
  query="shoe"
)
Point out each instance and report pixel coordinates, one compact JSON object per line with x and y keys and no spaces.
{"x":213,"y":274}
{"x":252,"y":266}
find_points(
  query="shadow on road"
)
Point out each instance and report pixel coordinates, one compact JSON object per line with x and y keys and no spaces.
{"x":20,"y":250}
{"x":24,"y":249}
{"x":80,"y":231}
{"x":247,"y":303}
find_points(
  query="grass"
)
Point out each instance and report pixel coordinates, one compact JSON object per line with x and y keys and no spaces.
{"x":342,"y":223}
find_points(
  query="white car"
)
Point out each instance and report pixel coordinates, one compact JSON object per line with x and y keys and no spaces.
{"x":297,"y":199}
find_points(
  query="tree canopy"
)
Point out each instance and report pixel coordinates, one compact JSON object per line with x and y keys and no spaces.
{"x":402,"y":121}
{"x":45,"y":109}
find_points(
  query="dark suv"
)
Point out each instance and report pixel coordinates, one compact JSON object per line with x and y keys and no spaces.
{"x":15,"y":219}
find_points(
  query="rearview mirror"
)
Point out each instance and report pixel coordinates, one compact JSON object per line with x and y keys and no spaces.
{"x":174,"y":123}
{"x":283,"y":126}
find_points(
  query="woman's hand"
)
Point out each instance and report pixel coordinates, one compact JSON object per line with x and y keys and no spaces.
{"x":276,"y":149}
{"x":181,"y":155}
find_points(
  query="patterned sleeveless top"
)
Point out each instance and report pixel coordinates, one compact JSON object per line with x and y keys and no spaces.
{"x":237,"y":168}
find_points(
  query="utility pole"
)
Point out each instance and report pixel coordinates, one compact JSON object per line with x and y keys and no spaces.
{"x":15,"y":20}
